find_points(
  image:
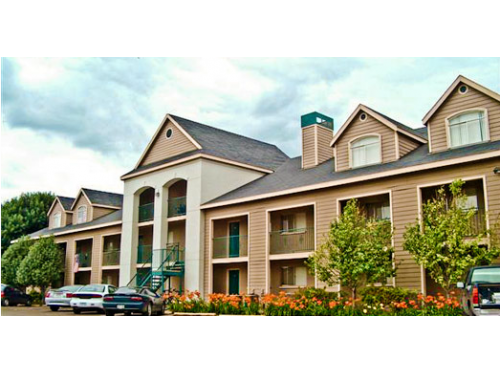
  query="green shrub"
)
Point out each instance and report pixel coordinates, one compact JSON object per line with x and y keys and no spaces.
{"x":376,"y":295}
{"x":36,"y":297}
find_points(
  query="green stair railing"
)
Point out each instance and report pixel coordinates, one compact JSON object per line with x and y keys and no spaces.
{"x":144,"y":253}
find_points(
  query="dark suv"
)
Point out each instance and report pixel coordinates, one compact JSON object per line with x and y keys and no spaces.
{"x":12,"y":297}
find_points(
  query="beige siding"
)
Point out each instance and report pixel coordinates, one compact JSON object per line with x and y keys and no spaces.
{"x":308,"y":147}
{"x":163,"y":148}
{"x":406,"y":145}
{"x":99,"y":211}
{"x":82,"y":201}
{"x":96,"y":235}
{"x":325,"y":151}
{"x":460,"y":102}
{"x":221,"y":277}
{"x":359,"y":128}
{"x":404,"y":205}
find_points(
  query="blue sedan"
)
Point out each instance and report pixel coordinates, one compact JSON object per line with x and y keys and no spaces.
{"x":130,"y":300}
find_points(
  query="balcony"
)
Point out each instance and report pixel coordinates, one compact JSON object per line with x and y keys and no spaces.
{"x":478,"y":222}
{"x":177,"y":207}
{"x":230,"y":247}
{"x":144,"y":253}
{"x":146,"y":212}
{"x":298,"y":240}
{"x":84,"y":259}
{"x":111,"y":257}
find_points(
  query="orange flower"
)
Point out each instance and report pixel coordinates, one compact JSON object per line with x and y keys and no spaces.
{"x":319,"y":302}
{"x":332,"y":304}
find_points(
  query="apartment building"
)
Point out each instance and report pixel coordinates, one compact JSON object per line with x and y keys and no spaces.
{"x":205,"y":209}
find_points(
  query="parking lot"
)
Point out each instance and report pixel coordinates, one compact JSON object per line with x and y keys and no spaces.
{"x":41,"y":311}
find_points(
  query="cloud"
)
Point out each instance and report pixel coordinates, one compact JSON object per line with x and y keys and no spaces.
{"x":107,"y":109}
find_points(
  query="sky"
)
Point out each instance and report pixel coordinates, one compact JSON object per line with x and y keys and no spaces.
{"x":84,"y":122}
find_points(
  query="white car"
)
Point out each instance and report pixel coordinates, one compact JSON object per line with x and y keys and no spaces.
{"x":90,"y":297}
{"x":57,"y":298}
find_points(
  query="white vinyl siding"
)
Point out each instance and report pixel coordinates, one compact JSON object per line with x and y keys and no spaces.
{"x":468,"y":128}
{"x":365,"y":151}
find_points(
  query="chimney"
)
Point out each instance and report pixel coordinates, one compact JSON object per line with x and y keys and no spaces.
{"x":317,"y":133}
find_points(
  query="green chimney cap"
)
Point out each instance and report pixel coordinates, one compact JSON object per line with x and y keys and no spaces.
{"x":316,"y":118}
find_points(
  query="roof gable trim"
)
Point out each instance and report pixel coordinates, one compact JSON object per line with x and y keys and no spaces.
{"x":163,"y":122}
{"x":460,"y":79}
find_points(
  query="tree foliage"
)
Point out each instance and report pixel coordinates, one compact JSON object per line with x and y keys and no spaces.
{"x":358,"y":251}
{"x":43,"y":265}
{"x":447,"y":243}
{"x":12,"y":258}
{"x":24,"y":215}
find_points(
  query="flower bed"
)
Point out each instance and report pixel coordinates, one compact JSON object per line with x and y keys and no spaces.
{"x":314,"y":302}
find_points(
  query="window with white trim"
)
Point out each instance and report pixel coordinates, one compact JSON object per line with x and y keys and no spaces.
{"x":468,"y":128}
{"x":365,"y":151}
{"x":82,"y":214}
{"x":57,"y":220}
{"x":294,"y":276}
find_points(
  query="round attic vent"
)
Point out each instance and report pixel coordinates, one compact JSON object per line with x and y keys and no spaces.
{"x":463,"y":89}
{"x":363,"y":117}
{"x":169,"y":133}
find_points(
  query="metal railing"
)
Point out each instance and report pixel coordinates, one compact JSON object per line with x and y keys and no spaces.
{"x":146,"y":212}
{"x":177,"y":207}
{"x":230,"y":247}
{"x":111,"y":257}
{"x":84,"y":259}
{"x":299,"y":240}
{"x":144,"y":253}
{"x":478,"y":222}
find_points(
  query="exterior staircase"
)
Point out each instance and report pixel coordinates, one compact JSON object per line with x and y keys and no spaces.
{"x":159,"y":279}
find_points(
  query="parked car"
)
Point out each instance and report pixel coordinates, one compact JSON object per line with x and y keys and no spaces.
{"x":12,"y":296}
{"x":481,"y":291}
{"x":57,"y":298}
{"x":129,"y":300}
{"x":90,"y":297}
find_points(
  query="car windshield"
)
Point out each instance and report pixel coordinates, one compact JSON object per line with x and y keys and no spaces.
{"x":3,"y":287}
{"x":486,"y":275}
{"x":93,"y":288}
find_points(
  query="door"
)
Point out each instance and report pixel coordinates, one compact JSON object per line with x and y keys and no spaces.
{"x":234,"y":282}
{"x":234,"y":240}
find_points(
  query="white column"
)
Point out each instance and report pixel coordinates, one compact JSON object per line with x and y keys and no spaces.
{"x":159,"y":224}
{"x":129,"y":239}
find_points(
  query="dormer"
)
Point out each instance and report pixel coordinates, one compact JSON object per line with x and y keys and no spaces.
{"x":466,"y":114}
{"x":317,"y":133}
{"x":92,"y":204}
{"x":60,"y":213}
{"x":369,"y":138}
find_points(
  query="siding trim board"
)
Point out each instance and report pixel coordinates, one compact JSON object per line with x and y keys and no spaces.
{"x":374,"y":176}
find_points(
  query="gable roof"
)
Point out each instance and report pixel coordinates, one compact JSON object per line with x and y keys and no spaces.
{"x":460,"y":79}
{"x":385,"y":120}
{"x":218,"y":143}
{"x":65,"y":203}
{"x":290,"y":178}
{"x":100,"y":198}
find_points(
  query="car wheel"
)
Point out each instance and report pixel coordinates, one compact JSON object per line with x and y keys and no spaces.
{"x":162,"y":310}
{"x":77,"y":311}
{"x":28,"y":303}
{"x":6,"y":302}
{"x":109,"y":313}
{"x":149,"y":310}
{"x":54,"y":308}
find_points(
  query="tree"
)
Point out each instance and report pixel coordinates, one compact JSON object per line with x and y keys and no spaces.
{"x":42,"y":266}
{"x":24,"y":215}
{"x":12,"y":258}
{"x":447,"y":244}
{"x":358,"y":251}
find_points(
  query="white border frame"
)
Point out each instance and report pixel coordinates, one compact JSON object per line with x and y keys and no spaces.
{"x":470,"y":110}
{"x":359,"y":138}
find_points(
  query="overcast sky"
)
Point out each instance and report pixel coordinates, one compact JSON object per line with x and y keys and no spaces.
{"x":68,"y":123}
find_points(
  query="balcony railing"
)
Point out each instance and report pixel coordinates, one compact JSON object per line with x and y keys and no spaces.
{"x":146,"y":212}
{"x":111,"y":257}
{"x":144,"y":253}
{"x":177,"y":207}
{"x":478,"y":222}
{"x":230,"y":247}
{"x":84,"y":259}
{"x":298,"y":240}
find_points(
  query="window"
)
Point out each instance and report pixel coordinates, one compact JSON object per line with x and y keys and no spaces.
{"x":291,"y":223}
{"x":294,"y":276}
{"x":468,"y":128}
{"x":57,"y":220}
{"x":365,"y":151}
{"x":82,"y":214}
